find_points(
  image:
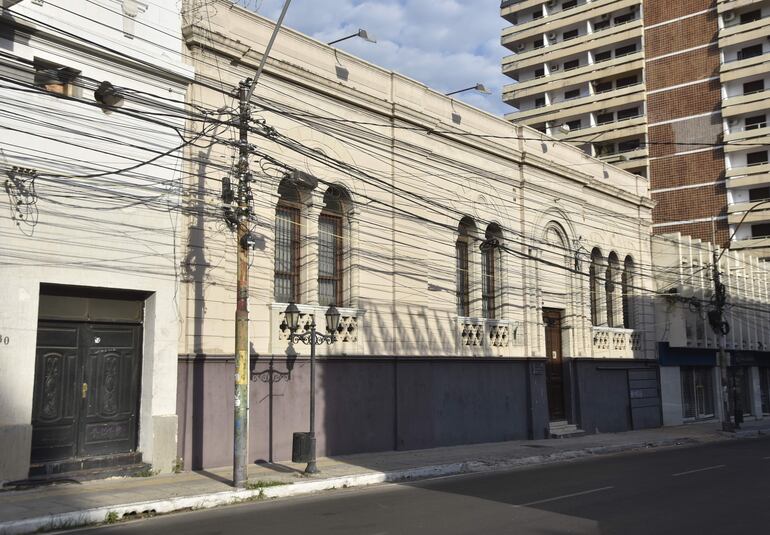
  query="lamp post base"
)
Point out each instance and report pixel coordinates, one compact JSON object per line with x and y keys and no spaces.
{"x":311,"y":468}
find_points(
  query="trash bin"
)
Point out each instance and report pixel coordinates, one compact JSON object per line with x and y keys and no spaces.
{"x":302,"y":448}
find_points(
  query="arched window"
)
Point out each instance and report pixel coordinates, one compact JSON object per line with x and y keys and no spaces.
{"x":627,"y":287}
{"x":465,"y":232}
{"x":611,"y":288}
{"x":595,"y":287}
{"x":287,"y":245}
{"x":331,"y":247}
{"x":491,"y":286}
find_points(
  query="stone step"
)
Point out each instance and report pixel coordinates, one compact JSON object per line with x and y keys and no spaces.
{"x":562,"y":429}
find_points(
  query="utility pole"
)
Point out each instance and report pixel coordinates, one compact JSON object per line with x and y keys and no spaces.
{"x":721,"y":328}
{"x":241,"y":422}
{"x":244,"y":243}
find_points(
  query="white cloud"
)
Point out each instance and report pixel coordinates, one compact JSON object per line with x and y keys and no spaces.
{"x":446,"y":44}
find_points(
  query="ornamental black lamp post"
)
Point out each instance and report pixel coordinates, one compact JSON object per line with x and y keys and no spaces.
{"x":313,"y":338}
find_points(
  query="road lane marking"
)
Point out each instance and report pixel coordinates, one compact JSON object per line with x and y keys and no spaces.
{"x":765,"y":458}
{"x":699,"y":470}
{"x":574,"y":494}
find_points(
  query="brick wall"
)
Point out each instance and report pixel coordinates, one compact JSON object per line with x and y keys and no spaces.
{"x":682,"y":68}
{"x":693,"y":203}
{"x":687,"y":169}
{"x":656,"y":11}
{"x":681,"y":35}
{"x":686,"y":135}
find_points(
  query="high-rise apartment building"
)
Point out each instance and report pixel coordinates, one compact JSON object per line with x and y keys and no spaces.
{"x":672,"y":90}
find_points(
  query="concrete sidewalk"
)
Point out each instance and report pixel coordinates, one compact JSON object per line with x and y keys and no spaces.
{"x":79,"y":504}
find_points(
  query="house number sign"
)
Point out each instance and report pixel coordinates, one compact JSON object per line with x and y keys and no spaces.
{"x":4,"y":340}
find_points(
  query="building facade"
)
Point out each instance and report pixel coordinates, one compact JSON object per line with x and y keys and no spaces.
{"x":90,"y":150}
{"x":687,"y":341}
{"x":672,"y":90}
{"x":491,"y":280}
{"x":578,"y":71}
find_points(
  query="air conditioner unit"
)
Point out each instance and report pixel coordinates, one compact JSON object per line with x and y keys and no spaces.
{"x":521,"y":46}
{"x":732,"y":122}
{"x":554,"y":67}
{"x":552,"y":36}
{"x":551,"y":3}
{"x":728,"y":16}
{"x":606,"y":16}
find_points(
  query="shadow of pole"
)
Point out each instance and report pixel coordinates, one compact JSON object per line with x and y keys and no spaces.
{"x":196,"y":265}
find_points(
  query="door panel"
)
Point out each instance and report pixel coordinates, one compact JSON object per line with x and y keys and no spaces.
{"x":86,"y":390}
{"x":55,"y":402}
{"x":108,"y":424}
{"x":554,"y":365}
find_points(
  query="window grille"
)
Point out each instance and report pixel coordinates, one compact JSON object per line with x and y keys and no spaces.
{"x":330,"y":259}
{"x":463,"y":278}
{"x":287,"y":236}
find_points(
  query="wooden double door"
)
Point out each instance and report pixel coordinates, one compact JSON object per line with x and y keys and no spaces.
{"x":554,"y":365}
{"x":86,"y":395}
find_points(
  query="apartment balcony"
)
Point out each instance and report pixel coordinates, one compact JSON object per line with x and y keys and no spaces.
{"x":509,"y":8}
{"x":587,"y":73}
{"x":745,"y":139}
{"x":755,"y":246}
{"x":742,"y":33}
{"x":573,"y":47}
{"x":627,"y":160}
{"x":737,"y":212}
{"x":748,"y":171}
{"x":513,"y":35}
{"x":560,"y":111}
{"x":748,"y":181}
{"x":729,"y":5}
{"x":623,"y":128}
{"x":744,"y":104}
{"x":743,"y":68}
{"x":610,"y":342}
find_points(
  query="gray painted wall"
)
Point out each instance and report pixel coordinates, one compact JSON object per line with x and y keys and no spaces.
{"x":616,"y":395}
{"x":362,"y":405}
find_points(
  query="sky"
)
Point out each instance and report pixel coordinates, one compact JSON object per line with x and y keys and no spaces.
{"x":445,"y":44}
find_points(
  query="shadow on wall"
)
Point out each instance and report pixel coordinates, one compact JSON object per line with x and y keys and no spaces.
{"x":195,"y":265}
{"x":363,"y":403}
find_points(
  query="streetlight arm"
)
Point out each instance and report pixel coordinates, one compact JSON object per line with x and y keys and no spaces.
{"x":460,"y":91}
{"x":314,"y":338}
{"x":740,"y":223}
{"x":343,"y":38}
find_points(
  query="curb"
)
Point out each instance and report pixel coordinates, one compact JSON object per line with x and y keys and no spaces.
{"x":98,"y":515}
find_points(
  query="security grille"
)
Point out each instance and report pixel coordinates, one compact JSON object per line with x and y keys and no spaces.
{"x":329,"y":260}
{"x":697,"y":392}
{"x":764,"y":384}
{"x":286,"y":254}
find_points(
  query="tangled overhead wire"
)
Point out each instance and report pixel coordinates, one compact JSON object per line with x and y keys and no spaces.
{"x":20,"y":187}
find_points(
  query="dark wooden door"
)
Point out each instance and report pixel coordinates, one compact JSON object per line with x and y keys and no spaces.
{"x":86,"y":390}
{"x":554,"y":370}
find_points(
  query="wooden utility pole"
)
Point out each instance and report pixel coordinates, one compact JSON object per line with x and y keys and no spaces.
{"x":244,"y":243}
{"x":721,"y":328}
{"x":241,"y":422}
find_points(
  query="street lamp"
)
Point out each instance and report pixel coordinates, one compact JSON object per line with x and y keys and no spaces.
{"x":481,"y":88}
{"x":313,"y":338}
{"x":363,"y":34}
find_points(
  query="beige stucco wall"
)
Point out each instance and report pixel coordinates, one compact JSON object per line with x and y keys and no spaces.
{"x":414,"y":173}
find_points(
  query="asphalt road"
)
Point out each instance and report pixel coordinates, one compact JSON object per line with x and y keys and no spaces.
{"x":722,"y":488}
